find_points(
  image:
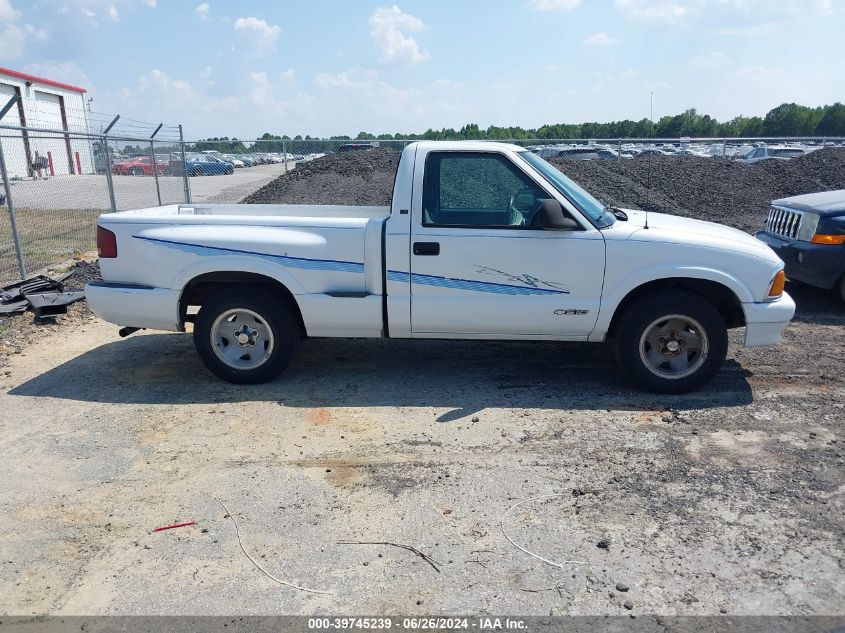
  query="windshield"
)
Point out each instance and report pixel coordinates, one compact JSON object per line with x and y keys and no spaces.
{"x":587,"y":204}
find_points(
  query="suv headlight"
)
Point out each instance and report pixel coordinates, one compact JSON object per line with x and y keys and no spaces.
{"x":807,"y":229}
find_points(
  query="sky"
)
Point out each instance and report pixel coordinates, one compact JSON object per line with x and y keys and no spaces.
{"x":324,"y":67}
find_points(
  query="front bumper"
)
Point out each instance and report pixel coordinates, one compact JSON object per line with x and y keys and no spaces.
{"x":765,"y":322}
{"x":135,"y":306}
{"x":819,"y":265}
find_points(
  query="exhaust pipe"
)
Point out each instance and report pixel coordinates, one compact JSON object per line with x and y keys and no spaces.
{"x":126,"y":331}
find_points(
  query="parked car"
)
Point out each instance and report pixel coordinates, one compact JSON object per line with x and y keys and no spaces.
{"x":237,"y":163}
{"x":772,"y":152}
{"x":355,"y":147}
{"x":141,"y":166}
{"x":206,"y":165}
{"x":808,"y":234}
{"x":442,"y":262}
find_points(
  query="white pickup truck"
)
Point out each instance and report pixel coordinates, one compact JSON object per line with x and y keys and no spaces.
{"x":481,"y":241}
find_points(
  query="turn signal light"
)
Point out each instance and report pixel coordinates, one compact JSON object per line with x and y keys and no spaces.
{"x":776,"y":289}
{"x":106,"y":243}
{"x":820,"y":238}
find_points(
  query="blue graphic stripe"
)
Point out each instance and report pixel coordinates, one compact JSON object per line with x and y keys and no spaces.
{"x":468,"y":284}
{"x":354,"y":267}
{"x":285,"y":260}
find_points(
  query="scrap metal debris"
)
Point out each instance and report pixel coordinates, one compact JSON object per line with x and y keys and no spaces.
{"x":519,"y":547}
{"x":46,"y":297}
{"x":410,"y":548}
{"x":175,"y":525}
{"x":255,"y":562}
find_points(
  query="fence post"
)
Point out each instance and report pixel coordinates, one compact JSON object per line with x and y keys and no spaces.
{"x":619,"y":150}
{"x":155,"y":171}
{"x":184,"y":167}
{"x":11,"y":207}
{"x":285,"y":152}
{"x":153,"y":159}
{"x":109,"y":180}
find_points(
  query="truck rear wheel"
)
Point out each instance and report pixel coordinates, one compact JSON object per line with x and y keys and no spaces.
{"x":246,"y":335}
{"x":671,"y":342}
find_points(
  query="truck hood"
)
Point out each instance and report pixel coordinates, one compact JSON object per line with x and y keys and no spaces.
{"x":675,"y":229}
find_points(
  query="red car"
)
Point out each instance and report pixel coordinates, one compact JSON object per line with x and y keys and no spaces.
{"x":141,"y":166}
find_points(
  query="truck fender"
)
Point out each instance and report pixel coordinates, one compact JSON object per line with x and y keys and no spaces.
{"x":239,"y":263}
{"x":612,"y":297}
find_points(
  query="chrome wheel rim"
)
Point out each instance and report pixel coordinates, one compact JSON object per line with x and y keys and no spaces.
{"x":242,"y":339}
{"x":674,"y":346}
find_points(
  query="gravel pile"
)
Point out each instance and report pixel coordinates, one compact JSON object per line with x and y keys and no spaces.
{"x":359,"y":178}
{"x":728,"y":192}
{"x":722,"y":191}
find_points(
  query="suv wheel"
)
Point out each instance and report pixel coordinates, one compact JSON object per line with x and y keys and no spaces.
{"x":671,"y":342}
{"x":246,"y":335}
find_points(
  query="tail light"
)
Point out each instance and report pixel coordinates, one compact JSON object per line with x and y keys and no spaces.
{"x":106,"y":243}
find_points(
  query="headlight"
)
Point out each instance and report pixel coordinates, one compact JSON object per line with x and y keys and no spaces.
{"x":807,"y":229}
{"x":776,"y":286}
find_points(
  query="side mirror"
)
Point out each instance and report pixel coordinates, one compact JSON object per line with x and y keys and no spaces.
{"x":550,"y":216}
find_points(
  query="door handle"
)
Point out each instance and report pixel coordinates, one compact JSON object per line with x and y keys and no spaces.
{"x":426,"y":248}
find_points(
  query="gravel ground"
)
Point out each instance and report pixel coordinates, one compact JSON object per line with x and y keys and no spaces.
{"x":727,"y":500}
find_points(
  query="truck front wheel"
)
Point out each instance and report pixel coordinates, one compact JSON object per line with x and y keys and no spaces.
{"x":246,"y":335}
{"x":671,"y":342}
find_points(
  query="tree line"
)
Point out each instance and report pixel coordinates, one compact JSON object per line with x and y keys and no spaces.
{"x":787,"y":119}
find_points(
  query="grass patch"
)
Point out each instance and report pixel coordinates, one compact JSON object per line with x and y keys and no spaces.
{"x":48,"y":237}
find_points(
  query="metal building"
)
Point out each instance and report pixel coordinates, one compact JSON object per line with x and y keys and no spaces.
{"x":44,"y":104}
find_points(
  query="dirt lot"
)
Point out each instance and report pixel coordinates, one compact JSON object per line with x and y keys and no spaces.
{"x":728,"y":500}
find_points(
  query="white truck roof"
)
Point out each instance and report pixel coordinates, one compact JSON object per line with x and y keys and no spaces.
{"x":464,"y":146}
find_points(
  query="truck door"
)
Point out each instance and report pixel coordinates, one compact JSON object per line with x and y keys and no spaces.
{"x":479,"y":269}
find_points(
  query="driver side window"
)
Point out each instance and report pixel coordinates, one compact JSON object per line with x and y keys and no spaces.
{"x":477,"y":189}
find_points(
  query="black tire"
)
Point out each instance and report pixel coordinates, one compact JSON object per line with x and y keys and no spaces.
{"x":643,"y":314}
{"x":196,"y":171}
{"x":273,"y":311}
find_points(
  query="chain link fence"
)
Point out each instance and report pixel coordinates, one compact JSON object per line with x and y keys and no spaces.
{"x":56,"y":182}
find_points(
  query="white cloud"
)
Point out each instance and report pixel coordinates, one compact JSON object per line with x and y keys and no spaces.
{"x":113,"y":14}
{"x":262,"y":36}
{"x":710,"y":60}
{"x":150,"y":3}
{"x":386,"y":28}
{"x":202,"y":11}
{"x":600,"y":39}
{"x":8,"y":13}
{"x":652,"y":10}
{"x":555,"y":5}
{"x":157,"y":79}
{"x":288,"y":76}
{"x":260,"y":90}
{"x":760,"y":74}
{"x":15,"y":37}
{"x":551,"y":68}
